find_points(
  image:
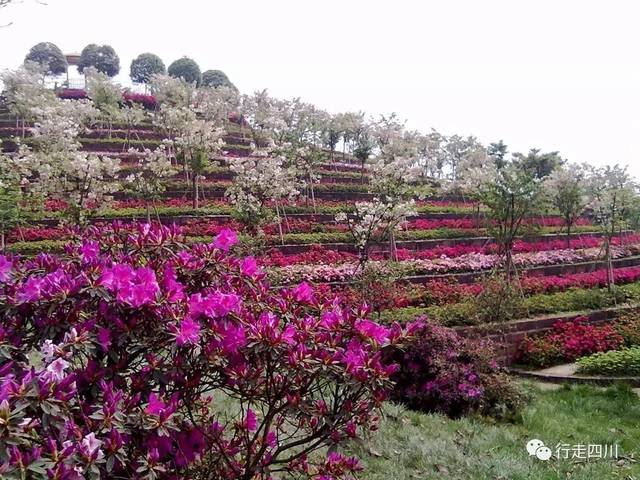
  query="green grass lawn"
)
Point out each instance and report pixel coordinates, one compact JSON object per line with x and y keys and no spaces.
{"x":412,"y":445}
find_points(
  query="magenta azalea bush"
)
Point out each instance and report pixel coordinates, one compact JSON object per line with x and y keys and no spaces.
{"x":135,"y":356}
{"x":443,"y":372}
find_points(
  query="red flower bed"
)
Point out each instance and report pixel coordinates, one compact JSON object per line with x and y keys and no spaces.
{"x":147,"y":101}
{"x":33,"y":234}
{"x":316,"y":255}
{"x":446,"y":291}
{"x":72,"y":93}
{"x":567,"y":341}
{"x":469,"y":223}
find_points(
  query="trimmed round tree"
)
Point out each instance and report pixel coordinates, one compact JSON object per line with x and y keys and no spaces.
{"x":185,"y":68}
{"x":215,"y":79}
{"x":102,"y":57}
{"x":49,"y":56}
{"x":144,"y":66}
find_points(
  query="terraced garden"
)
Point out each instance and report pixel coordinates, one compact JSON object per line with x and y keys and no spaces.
{"x":217,"y":285}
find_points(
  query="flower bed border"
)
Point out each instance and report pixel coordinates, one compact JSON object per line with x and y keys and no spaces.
{"x":594,"y":380}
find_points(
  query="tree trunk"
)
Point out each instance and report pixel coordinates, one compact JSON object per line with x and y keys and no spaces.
{"x":607,"y":253}
{"x":194,"y":186}
{"x":279,"y":225}
{"x":313,"y":197}
{"x":508,"y":263}
{"x":393,"y":250}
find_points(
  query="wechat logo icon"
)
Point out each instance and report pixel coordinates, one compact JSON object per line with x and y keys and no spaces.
{"x":536,"y":448}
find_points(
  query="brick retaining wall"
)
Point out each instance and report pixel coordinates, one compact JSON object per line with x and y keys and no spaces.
{"x":509,"y":335}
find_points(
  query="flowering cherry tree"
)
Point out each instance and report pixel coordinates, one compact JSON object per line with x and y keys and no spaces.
{"x":10,"y":198}
{"x":331,"y":133}
{"x":565,"y":188}
{"x":456,"y":151}
{"x":431,"y":154}
{"x":105,"y":95}
{"x":25,"y":92}
{"x":138,"y":357}
{"x":374,"y":221}
{"x":610,"y":193}
{"x":171,"y":91}
{"x":510,"y":196}
{"x":258,"y":183}
{"x":153,"y":166}
{"x":54,"y":166}
{"x":197,"y":141}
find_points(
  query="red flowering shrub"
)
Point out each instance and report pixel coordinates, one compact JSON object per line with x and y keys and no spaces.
{"x":443,"y":372}
{"x":135,"y":356}
{"x":317,"y":254}
{"x":72,"y":93}
{"x":567,"y":341}
{"x":147,"y":101}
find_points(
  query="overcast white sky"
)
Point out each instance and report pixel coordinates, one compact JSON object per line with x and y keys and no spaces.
{"x":558,"y":75}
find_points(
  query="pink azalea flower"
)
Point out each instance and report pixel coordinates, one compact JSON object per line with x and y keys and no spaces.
{"x":303,"y":293}
{"x":104,"y":338}
{"x":91,"y":446}
{"x":30,"y":290}
{"x":249,"y":267}
{"x":174,"y":290}
{"x":156,"y":406}
{"x":251,"y":422}
{"x":56,"y":369}
{"x":215,"y":305}
{"x":233,"y":338}
{"x":117,"y":277}
{"x":189,"y":332}
{"x":372,"y":330}
{"x":226,"y":239}
{"x":89,"y":250}
{"x":5,"y":269}
{"x":136,"y":287}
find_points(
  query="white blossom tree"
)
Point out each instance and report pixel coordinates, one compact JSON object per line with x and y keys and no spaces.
{"x":153,"y":166}
{"x":374,"y":221}
{"x":105,"y":95}
{"x":509,"y":196}
{"x":53,"y":165}
{"x":431,"y":154}
{"x":26,"y":93}
{"x":456,"y":150}
{"x":332,"y":133}
{"x":565,"y":188}
{"x":171,"y":91}
{"x":259,"y":182}
{"x":197,"y":141}
{"x":10,"y":198}
{"x":610,"y":194}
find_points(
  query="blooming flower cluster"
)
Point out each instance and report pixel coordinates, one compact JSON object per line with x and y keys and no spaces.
{"x":440,"y":371}
{"x":464,"y":263}
{"x":117,"y":361}
{"x":567,"y":341}
{"x":469,"y":223}
{"x":148,"y":101}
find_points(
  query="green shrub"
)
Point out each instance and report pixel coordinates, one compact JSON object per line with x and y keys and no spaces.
{"x":625,"y":362}
{"x":628,"y":327}
{"x":499,"y":301}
